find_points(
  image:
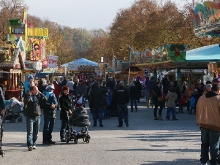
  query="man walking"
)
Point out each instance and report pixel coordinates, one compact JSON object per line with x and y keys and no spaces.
{"x":122,"y":98}
{"x":95,"y":103}
{"x":32,"y":111}
{"x":208,"y":117}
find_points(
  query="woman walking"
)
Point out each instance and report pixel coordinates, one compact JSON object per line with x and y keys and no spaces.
{"x":65,"y":105}
{"x":157,"y":92}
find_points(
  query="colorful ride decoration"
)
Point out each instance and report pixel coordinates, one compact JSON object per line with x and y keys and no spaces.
{"x":206,"y":17}
{"x":166,"y":53}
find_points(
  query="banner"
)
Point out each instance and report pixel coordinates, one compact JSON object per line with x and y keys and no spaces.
{"x":206,"y":18}
{"x":165,"y":53}
{"x":52,"y":61}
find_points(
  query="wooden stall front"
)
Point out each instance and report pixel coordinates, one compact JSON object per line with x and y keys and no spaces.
{"x":10,"y":75}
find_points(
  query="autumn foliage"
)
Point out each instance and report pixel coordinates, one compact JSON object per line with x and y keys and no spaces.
{"x":146,"y":24}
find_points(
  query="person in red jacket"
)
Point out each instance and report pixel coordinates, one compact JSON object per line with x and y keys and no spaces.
{"x":56,"y":91}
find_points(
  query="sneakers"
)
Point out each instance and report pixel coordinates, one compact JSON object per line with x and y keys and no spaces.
{"x":101,"y":125}
{"x":127,"y":125}
{"x":34,"y":147}
{"x":174,"y":119}
{"x":30,"y":148}
{"x":63,"y":140}
{"x":119,"y":126}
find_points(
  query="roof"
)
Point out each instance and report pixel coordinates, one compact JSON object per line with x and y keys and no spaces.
{"x":205,"y":53}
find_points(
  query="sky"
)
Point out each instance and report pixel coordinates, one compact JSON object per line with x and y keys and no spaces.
{"x":89,"y":14}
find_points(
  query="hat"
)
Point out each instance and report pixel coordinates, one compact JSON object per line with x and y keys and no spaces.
{"x":50,"y":88}
{"x":30,"y":76}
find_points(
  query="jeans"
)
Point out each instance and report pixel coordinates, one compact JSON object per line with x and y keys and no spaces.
{"x":147,"y":94}
{"x":171,"y":110}
{"x":33,"y":125}
{"x":97,"y":113}
{"x":133,"y":101}
{"x":122,"y":109}
{"x":160,"y":110}
{"x":104,"y":113}
{"x":210,"y":140}
{"x":108,"y":110}
{"x":48,"y":126}
{"x":64,"y":124}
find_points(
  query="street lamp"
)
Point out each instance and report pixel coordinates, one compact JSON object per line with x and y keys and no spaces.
{"x":129,"y":70}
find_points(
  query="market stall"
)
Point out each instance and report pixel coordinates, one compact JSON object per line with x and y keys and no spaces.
{"x":10,"y":74}
{"x":82,"y":66}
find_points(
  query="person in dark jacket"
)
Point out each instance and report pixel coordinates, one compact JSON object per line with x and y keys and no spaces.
{"x":41,"y":86}
{"x":122,"y":98}
{"x":49,"y":114}
{"x":133,"y":96}
{"x":65,"y":105}
{"x":95,"y":103}
{"x":32,"y":110}
{"x":139,"y":88}
{"x":156,"y":92}
{"x":150,"y":86}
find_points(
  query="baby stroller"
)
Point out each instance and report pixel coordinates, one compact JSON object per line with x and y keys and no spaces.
{"x":79,"y":118}
{"x":13,"y":110}
{"x":2,"y":153}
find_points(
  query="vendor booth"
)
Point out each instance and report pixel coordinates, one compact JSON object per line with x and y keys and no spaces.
{"x":82,"y":66}
{"x":10,"y":74}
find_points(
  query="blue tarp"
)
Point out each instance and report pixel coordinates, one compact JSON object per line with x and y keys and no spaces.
{"x":205,"y":53}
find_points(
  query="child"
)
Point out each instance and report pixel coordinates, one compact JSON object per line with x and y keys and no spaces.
{"x":193,"y":101}
{"x":171,"y":98}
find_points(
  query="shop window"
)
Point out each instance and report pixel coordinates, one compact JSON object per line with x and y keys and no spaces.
{"x":17,"y":30}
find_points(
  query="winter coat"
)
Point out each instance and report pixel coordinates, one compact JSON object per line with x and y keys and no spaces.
{"x":156,"y":92}
{"x":65,"y":105}
{"x":33,"y":104}
{"x":95,"y":98}
{"x":121,"y":95}
{"x":104,"y":95}
{"x":150,"y":86}
{"x":208,"y":111}
{"x":81,"y":90}
{"x":171,"y":99}
{"x":51,"y":99}
{"x":133,"y":92}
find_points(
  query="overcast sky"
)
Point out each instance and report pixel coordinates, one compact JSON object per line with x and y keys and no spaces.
{"x":89,"y":14}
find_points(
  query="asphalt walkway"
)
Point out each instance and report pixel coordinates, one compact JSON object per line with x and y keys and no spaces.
{"x":145,"y":141}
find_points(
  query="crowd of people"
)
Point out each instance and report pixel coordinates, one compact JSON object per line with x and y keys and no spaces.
{"x":46,"y":98}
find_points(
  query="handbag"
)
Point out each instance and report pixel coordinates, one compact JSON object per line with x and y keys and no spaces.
{"x":160,"y":98}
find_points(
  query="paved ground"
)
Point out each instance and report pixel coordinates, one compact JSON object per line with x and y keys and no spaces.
{"x":145,"y":141}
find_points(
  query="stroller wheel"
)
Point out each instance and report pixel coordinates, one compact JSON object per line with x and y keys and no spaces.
{"x":19,"y":119}
{"x":75,"y":140}
{"x":2,"y":153}
{"x":67,"y":137}
{"x":12,"y":120}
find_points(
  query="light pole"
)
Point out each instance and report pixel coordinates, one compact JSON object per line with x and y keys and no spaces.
{"x":129,"y":70}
